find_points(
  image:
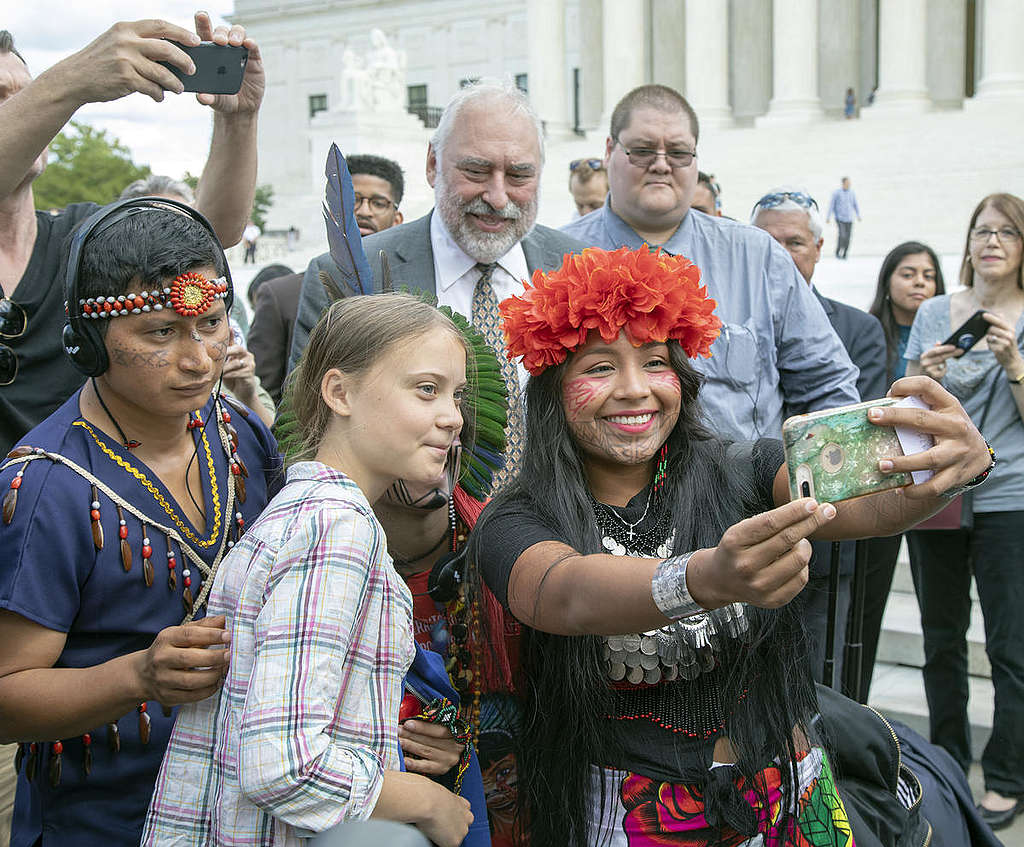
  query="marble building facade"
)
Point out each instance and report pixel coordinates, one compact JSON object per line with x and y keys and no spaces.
{"x":753,"y":69}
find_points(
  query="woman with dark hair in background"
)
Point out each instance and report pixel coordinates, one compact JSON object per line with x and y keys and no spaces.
{"x":909,"y":275}
{"x":989,"y":380}
{"x":657,"y":701}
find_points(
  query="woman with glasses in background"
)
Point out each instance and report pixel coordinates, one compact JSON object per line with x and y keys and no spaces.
{"x":988,"y":379}
{"x":909,"y":275}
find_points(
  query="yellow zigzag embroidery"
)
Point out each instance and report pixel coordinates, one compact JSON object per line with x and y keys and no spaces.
{"x":141,"y":477}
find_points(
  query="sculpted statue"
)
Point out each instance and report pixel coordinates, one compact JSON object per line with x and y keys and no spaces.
{"x":385,"y":71}
{"x":376,"y":81}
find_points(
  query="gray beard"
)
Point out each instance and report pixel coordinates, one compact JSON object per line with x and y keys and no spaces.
{"x":485,"y":247}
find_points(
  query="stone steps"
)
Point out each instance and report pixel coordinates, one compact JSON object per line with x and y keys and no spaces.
{"x":902,"y":643}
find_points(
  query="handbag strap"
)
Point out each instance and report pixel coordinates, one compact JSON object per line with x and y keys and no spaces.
{"x":995,"y":387}
{"x":967,"y":498}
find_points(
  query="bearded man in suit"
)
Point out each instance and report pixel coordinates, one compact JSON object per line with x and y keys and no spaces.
{"x":484,"y":164}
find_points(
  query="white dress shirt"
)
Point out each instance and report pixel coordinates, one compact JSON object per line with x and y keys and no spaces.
{"x":455,"y":274}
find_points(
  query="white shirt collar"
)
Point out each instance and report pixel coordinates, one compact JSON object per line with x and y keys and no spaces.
{"x":451,"y":263}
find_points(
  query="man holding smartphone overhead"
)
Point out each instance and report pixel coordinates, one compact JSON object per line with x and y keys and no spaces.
{"x":35,"y":376}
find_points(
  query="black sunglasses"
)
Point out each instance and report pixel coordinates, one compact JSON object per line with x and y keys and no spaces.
{"x":13,"y":322}
{"x":13,"y":319}
{"x":593,"y":164}
{"x":8,"y":365}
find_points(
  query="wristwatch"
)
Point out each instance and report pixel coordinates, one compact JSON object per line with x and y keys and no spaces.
{"x":1016,"y":380}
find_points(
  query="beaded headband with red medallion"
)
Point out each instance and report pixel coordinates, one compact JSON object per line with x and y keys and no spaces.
{"x":190,"y":294}
{"x":652,"y":296}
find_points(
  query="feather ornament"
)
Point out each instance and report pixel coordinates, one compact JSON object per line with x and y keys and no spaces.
{"x":343,"y":234}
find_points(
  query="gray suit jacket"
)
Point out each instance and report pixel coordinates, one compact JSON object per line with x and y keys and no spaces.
{"x":412,"y":265}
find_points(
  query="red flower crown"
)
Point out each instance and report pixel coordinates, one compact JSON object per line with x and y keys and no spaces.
{"x":651,"y":295}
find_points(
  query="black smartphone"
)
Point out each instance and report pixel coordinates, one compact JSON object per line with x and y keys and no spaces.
{"x":219,"y":67}
{"x":970,"y":332}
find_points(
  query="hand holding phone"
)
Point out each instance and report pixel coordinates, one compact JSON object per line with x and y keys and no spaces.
{"x":970,"y":332}
{"x":833,"y":455}
{"x":219,"y":68}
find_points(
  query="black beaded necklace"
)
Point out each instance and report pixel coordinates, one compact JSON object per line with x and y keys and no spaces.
{"x":648,"y":533}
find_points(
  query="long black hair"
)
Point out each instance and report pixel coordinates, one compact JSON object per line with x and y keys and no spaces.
{"x":566,"y":694}
{"x":881,"y":306}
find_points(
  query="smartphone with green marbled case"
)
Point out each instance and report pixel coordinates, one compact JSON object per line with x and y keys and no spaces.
{"x":833,"y":455}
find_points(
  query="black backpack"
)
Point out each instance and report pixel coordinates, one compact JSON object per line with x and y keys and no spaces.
{"x":881,"y":794}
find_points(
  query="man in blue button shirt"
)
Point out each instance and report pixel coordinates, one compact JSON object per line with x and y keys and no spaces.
{"x":843,"y":207}
{"x":777,"y":354}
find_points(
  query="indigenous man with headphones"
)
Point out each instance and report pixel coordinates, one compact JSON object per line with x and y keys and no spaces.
{"x":116,"y":511}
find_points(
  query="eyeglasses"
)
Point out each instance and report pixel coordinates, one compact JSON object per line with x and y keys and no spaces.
{"x":593,"y":164}
{"x":770,"y":201}
{"x":13,"y":319}
{"x":643,"y":157}
{"x":1006,"y":235}
{"x":378,"y":202}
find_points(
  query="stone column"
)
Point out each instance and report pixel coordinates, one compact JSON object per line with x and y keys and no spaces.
{"x":624,"y":48}
{"x":591,"y":66}
{"x":1002,"y":57}
{"x":902,"y":58}
{"x":794,"y":64}
{"x":947,"y":21}
{"x":707,"y":61}
{"x":750,"y":58}
{"x":666,"y":62}
{"x":545,"y":37}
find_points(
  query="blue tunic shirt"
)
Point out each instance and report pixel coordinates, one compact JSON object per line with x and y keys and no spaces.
{"x":778,"y":354}
{"x":52,"y":574}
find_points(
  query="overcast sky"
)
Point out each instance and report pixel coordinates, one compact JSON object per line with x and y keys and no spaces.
{"x":171,"y":137}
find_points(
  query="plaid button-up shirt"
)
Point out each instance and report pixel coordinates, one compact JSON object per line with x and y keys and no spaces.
{"x":306,"y":721}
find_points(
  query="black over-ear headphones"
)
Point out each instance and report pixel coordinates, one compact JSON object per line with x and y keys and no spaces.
{"x":82,"y":340}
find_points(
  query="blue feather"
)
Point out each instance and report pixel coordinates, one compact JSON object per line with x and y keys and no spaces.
{"x":342,"y":230}
{"x":495,"y":460}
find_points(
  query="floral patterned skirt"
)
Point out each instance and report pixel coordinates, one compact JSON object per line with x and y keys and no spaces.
{"x":642,"y":812}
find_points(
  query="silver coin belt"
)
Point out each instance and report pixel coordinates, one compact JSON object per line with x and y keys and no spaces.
{"x":683,"y":649}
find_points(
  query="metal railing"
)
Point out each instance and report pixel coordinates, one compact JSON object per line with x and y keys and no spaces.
{"x":430,"y":115}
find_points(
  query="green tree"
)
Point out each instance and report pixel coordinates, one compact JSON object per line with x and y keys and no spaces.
{"x":261,"y":203}
{"x":263,"y":199}
{"x":85,"y":164}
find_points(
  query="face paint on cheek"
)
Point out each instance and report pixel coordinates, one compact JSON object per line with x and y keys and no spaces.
{"x":218,"y":350}
{"x":138,"y":359}
{"x":666,"y":384}
{"x":666,"y":381}
{"x":669,"y":379}
{"x":578,"y":393}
